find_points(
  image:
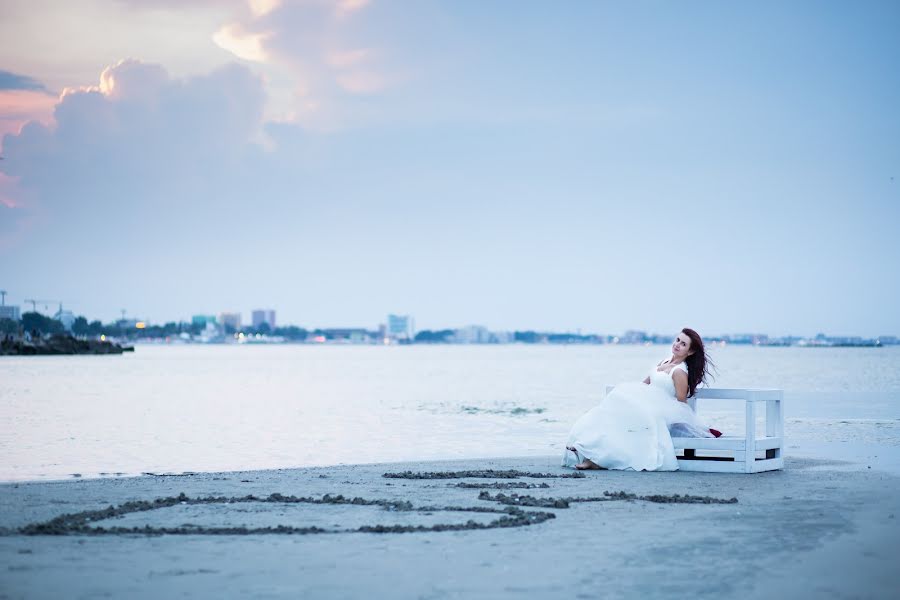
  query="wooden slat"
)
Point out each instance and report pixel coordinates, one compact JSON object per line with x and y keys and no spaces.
{"x":750,"y":430}
{"x":771,"y":418}
{"x":758,"y":395}
{"x":769,"y":443}
{"x":690,"y":457}
{"x":722,"y":443}
{"x":779,"y":431}
{"x":717,"y":466}
{"x":710,"y":466}
{"x":725,"y":443}
{"x":735,"y":455}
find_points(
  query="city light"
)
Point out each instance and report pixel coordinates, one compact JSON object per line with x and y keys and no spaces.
{"x":140,"y":325}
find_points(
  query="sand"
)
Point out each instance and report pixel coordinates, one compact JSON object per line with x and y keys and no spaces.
{"x":818,"y":529}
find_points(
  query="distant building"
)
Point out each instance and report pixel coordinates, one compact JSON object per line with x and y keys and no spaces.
{"x":473,"y":334}
{"x":230,"y":320}
{"x":67,"y":318}
{"x":261,"y":316}
{"x":502,"y":337}
{"x":202,"y":320}
{"x":10,"y":312}
{"x":747,"y":338}
{"x":633,"y":336}
{"x":399,"y":327}
{"x":346,"y":334}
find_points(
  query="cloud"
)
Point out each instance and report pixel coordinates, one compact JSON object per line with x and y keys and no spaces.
{"x":13,"y":81}
{"x":138,"y":138}
{"x":23,"y":99}
{"x":321,"y":59}
{"x":362,"y":82}
{"x":18,"y":107}
{"x":132,"y":79}
{"x":318,"y":55}
{"x":6,"y":185}
{"x":145,"y":5}
{"x":348,"y":58}
{"x":345,"y":8}
{"x":260,"y":8}
{"x":243,"y":44}
{"x":14,"y":221}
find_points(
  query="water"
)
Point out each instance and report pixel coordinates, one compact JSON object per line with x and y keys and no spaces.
{"x":171,"y":409}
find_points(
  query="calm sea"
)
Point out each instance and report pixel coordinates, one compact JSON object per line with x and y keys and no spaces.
{"x":171,"y":409}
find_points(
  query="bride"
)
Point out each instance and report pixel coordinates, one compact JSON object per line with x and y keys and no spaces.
{"x":632,"y":427}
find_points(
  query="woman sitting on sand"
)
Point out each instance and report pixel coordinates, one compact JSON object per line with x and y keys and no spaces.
{"x":632,"y":427}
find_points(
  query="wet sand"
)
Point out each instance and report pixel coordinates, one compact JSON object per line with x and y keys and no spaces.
{"x":509,"y":528}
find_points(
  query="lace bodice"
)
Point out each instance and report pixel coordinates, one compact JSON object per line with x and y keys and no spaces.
{"x":664,"y":380}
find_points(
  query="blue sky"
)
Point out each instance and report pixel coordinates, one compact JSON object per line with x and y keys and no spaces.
{"x":585,"y":165}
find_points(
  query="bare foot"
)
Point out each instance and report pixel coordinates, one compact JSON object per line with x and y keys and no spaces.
{"x":587,"y":465}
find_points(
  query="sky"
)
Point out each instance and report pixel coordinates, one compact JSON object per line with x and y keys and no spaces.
{"x":587,"y":165}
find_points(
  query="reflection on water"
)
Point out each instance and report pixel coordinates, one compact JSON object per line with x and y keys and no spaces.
{"x":211,"y":408}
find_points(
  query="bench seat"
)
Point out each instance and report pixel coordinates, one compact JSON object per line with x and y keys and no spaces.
{"x":747,"y":453}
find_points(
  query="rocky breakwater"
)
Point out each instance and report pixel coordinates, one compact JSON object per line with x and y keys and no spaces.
{"x":59,"y":344}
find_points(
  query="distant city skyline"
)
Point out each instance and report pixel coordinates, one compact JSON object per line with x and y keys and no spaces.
{"x":405,"y":325}
{"x":586,"y":165}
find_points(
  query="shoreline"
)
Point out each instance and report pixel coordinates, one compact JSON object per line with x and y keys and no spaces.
{"x":61,"y":345}
{"x":412,"y":538}
{"x":860,"y":455}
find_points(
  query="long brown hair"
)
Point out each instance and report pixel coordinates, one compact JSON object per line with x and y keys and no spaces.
{"x":698,"y":363}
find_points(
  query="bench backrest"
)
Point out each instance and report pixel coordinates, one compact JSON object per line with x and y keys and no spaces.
{"x":753,"y":395}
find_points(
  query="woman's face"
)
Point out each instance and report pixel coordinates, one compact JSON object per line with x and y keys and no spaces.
{"x":681,"y":347}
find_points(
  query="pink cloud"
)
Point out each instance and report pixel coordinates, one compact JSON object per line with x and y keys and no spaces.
{"x":247,"y":45}
{"x":133,"y":79}
{"x":348,"y":58}
{"x":345,"y":8}
{"x":362,"y":82}
{"x":320,"y":54}
{"x":263,"y":7}
{"x":138,"y":132}
{"x":6,"y":184}
{"x":15,"y":221}
{"x":17,"y":107}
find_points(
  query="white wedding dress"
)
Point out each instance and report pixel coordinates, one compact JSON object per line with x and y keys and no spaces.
{"x":632,"y":427}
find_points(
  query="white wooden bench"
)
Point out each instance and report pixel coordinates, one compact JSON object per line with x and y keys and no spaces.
{"x":747,"y":453}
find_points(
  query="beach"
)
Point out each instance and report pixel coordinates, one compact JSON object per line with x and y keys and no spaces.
{"x":818,"y":529}
{"x":260,"y":472}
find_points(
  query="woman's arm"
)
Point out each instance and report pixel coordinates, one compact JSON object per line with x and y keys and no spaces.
{"x":681,"y":385}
